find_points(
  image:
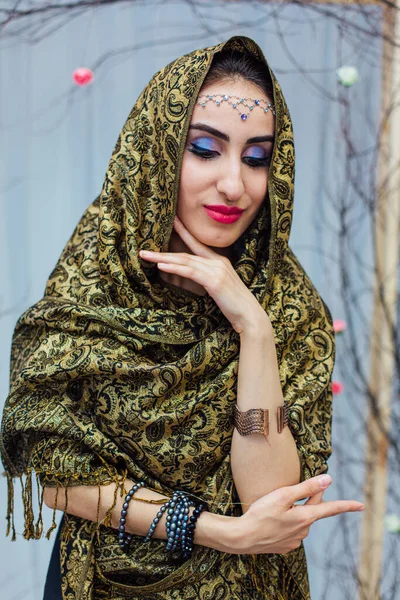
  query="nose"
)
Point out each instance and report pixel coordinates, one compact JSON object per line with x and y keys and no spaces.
{"x":230,"y":182}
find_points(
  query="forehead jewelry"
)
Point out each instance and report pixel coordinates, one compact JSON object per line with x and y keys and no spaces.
{"x":244,"y":106}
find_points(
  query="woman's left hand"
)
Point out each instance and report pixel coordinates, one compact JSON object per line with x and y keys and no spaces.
{"x":217,"y":275}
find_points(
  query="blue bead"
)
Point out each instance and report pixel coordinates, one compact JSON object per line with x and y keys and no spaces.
{"x":122,"y":521}
{"x":243,"y":117}
{"x":234,"y":105}
{"x":125,"y":505}
{"x":225,"y":97}
{"x":173,"y":526}
{"x":124,"y":513}
{"x":256,"y":102}
{"x":218,"y":103}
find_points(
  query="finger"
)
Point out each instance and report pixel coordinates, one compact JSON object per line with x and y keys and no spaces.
{"x":305,"y":489}
{"x":193,"y":243}
{"x":198,"y":273}
{"x":317,"y":499}
{"x":170,"y":257}
{"x":335,"y":507}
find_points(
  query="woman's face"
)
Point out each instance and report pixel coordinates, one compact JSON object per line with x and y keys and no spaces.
{"x":225,"y":162}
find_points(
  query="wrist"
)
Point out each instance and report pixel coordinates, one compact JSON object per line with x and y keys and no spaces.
{"x":257,"y":329}
{"x":217,"y":531}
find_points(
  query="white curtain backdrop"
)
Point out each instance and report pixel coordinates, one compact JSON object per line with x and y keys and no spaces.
{"x":56,"y":140}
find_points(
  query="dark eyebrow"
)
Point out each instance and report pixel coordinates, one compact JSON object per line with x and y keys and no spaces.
{"x":211,"y":130}
{"x":223,"y":136}
{"x":260,"y":138}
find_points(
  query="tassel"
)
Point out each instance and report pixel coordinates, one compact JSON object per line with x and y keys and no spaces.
{"x":122,"y":484}
{"x":10,"y":508}
{"x":39,"y":522}
{"x":66,"y":498}
{"x":98,"y":514}
{"x":107,"y":518}
{"x":98,"y":504}
{"x":29,"y":532}
{"x":53,"y":524}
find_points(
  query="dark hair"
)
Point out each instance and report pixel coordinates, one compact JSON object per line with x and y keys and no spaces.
{"x":234,"y":65}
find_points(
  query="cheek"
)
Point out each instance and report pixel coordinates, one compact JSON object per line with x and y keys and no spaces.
{"x":257,"y":187}
{"x":194,"y":180}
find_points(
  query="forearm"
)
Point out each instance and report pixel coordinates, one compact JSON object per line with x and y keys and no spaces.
{"x":212,"y":530}
{"x":260,"y":466}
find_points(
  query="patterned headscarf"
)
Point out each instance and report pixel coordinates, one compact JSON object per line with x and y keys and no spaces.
{"x":116,"y":374}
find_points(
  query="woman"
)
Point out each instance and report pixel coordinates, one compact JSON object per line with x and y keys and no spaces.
{"x":135,"y":366}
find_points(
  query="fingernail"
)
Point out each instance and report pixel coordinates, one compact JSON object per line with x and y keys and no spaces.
{"x":361,"y":507}
{"x":325,"y":480}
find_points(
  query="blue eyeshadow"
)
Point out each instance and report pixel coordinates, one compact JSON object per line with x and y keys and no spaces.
{"x":205,"y":143}
{"x":256,"y":152}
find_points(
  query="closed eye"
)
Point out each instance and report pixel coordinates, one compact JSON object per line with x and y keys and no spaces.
{"x":202,"y":152}
{"x":207,"y":154}
{"x":251,"y":161}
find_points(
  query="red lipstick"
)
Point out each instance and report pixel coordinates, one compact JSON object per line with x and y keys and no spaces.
{"x":225,"y":210}
{"x":223,"y":214}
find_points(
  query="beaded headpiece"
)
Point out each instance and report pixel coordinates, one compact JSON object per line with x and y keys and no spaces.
{"x":239,"y":104}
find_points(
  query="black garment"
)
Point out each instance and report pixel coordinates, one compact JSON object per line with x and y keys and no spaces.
{"x":52,"y":587}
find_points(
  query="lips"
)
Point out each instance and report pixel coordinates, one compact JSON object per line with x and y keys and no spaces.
{"x":225,"y":210}
{"x":221,"y":217}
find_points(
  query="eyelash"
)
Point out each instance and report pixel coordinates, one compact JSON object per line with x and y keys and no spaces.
{"x":209,"y":154}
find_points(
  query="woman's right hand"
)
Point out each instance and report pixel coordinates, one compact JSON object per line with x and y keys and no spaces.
{"x":273,"y":524}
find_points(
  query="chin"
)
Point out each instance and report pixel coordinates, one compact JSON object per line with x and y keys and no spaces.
{"x":212,"y":243}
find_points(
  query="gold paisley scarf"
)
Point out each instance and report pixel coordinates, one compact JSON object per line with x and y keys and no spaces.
{"x":116,"y":374}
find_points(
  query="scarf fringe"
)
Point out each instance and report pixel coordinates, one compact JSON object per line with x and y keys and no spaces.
{"x":34,"y":530}
{"x":10,"y":508}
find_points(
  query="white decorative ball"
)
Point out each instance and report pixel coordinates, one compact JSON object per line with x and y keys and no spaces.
{"x":392,"y":523}
{"x":347,"y":75}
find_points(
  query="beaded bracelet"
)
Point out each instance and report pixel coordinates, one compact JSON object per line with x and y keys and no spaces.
{"x":125,"y":538}
{"x":188,"y":549}
{"x":170,"y":505}
{"x":177,"y":521}
{"x":156,"y":520}
{"x":180,"y":527}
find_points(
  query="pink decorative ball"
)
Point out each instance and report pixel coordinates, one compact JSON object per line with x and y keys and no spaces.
{"x":339,"y":325}
{"x":82,"y":76}
{"x":337,"y":387}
